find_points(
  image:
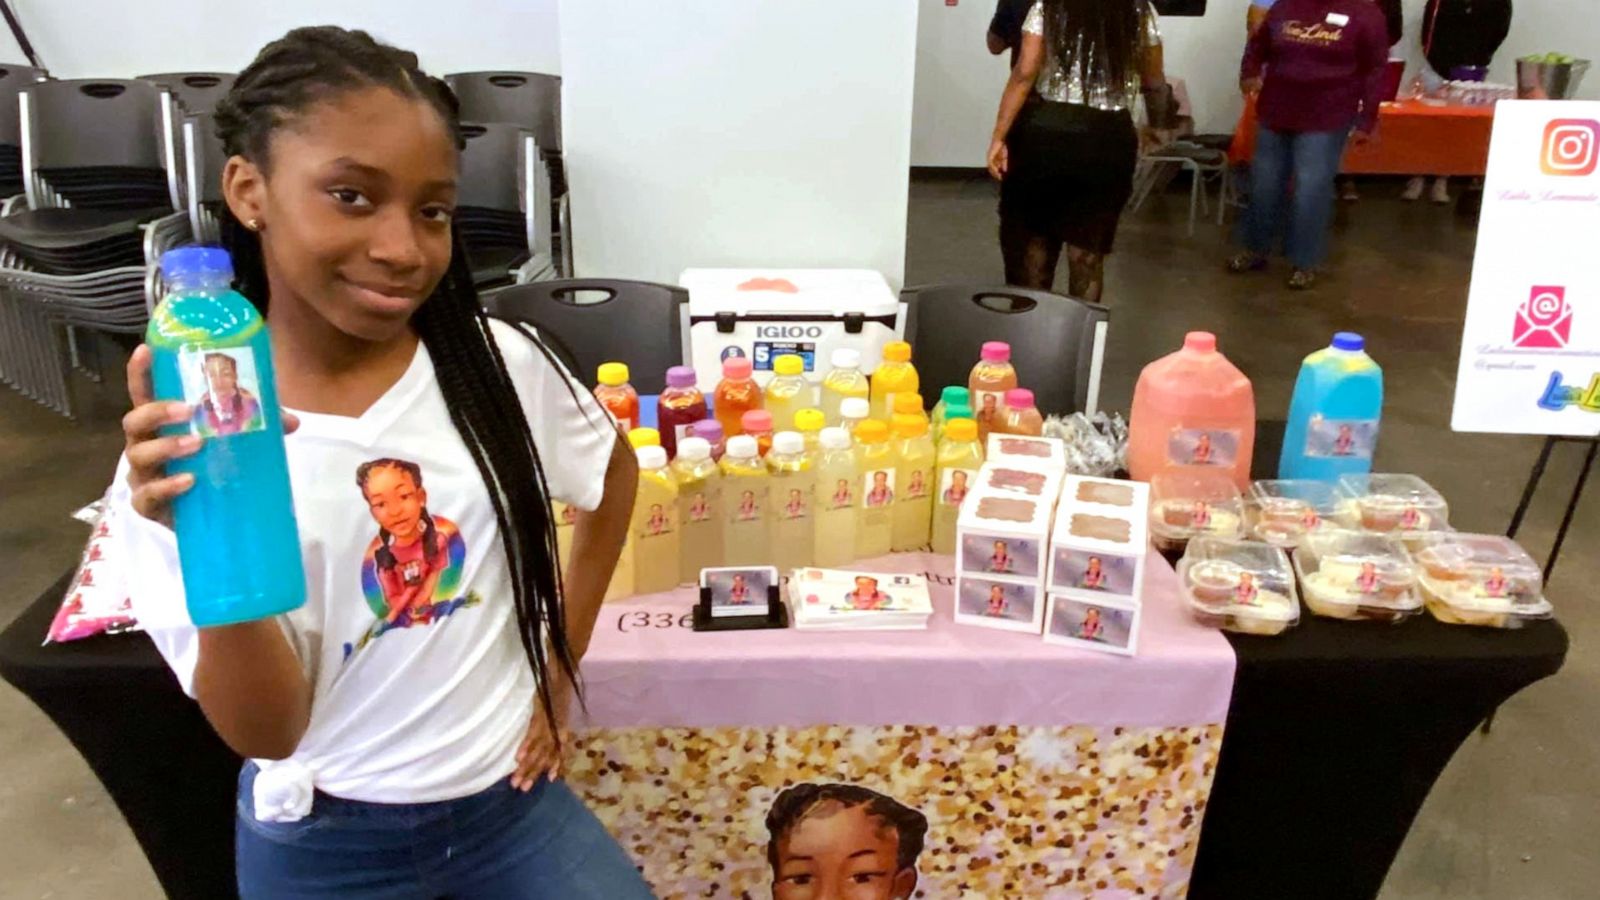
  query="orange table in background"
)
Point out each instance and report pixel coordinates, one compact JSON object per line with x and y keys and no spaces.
{"x":1413,"y":138}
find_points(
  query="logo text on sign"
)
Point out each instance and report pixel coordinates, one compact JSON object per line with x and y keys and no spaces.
{"x":1571,"y":147}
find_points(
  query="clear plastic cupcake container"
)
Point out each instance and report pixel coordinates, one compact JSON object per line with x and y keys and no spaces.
{"x":1186,"y":504}
{"x":1480,"y":579}
{"x":1395,"y":503}
{"x":1243,"y":586}
{"x":1356,"y":575}
{"x":1282,"y":513}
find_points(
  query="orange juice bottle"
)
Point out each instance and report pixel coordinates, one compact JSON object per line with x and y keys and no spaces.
{"x":895,"y":375}
{"x":737,"y":393}
{"x":988,"y":383}
{"x":1021,"y":416}
{"x":617,"y":396}
{"x":1192,"y":409}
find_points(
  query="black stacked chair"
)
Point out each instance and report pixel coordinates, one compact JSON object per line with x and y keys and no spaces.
{"x":99,"y":217}
{"x":13,"y":79}
{"x":182,"y":94}
{"x":639,"y":321}
{"x":503,"y":180}
{"x":203,"y":159}
{"x":1057,"y":342}
{"x":533,"y":101}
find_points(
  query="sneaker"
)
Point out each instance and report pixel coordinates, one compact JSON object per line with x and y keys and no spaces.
{"x":1441,"y":191}
{"x":1302,"y":279}
{"x":1413,"y":191}
{"x":1245,"y":261}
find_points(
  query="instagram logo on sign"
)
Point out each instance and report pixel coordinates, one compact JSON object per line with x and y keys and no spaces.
{"x":1544,"y":319}
{"x":1571,"y":147}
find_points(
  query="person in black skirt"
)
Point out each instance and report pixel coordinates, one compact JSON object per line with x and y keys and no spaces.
{"x":1065,"y":145}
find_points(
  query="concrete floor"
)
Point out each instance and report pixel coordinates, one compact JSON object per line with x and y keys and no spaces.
{"x":1513,"y":817}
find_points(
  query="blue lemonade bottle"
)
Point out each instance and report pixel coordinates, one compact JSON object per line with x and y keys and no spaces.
{"x":238,"y":543}
{"x":1333,"y":417}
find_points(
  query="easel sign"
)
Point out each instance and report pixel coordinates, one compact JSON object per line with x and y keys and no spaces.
{"x":1530,"y":351}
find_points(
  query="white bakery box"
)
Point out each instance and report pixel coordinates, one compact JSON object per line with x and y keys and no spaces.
{"x":1045,"y":454}
{"x":767,"y":313}
{"x":1002,"y":557}
{"x":1097,"y":560}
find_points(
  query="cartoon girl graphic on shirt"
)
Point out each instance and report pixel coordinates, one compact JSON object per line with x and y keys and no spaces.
{"x":1091,"y":629}
{"x":841,"y":494}
{"x":881,"y":494}
{"x":1000,"y":559}
{"x":226,"y":407}
{"x":957,"y":491}
{"x":1094,"y":576}
{"x":997,"y":601}
{"x":416,"y":558}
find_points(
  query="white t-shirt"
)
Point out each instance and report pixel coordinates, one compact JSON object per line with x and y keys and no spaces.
{"x":419,"y":695}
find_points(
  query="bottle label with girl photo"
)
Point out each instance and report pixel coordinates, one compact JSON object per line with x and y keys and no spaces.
{"x":222,"y":387}
{"x":1203,"y":447}
{"x":877,"y":488}
{"x":1341,"y":438}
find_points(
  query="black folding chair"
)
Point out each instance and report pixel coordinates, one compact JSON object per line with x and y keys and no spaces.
{"x":637,"y":321}
{"x":504,"y":183}
{"x":1057,"y":342}
{"x":183,"y":93}
{"x":13,"y":79}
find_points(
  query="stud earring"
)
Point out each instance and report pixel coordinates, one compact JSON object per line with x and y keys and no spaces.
{"x":253,"y":224}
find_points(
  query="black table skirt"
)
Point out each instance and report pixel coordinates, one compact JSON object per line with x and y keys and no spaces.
{"x":1336,"y":733}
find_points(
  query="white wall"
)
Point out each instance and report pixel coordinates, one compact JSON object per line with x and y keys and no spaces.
{"x":748,"y":134}
{"x":121,"y":38}
{"x":958,"y":82}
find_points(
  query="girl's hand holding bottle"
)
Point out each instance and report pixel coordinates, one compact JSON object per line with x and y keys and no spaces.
{"x":149,"y":450}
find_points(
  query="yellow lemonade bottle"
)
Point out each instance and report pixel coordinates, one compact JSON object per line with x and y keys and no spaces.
{"x":895,"y":375}
{"x":655,"y":533}
{"x":810,"y":422}
{"x":875,"y":462}
{"x":843,"y":381}
{"x":699,"y":509}
{"x":852,"y":413}
{"x":909,"y":405}
{"x":644,"y":437}
{"x":836,"y":494}
{"x":793,"y":503}
{"x":952,"y":396}
{"x":913,"y":505}
{"x":788,"y":392}
{"x":746,"y":538}
{"x":960,"y":457}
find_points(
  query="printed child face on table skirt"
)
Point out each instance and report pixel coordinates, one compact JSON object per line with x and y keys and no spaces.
{"x":843,"y":842}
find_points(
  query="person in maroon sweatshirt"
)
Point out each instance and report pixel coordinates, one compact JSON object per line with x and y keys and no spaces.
{"x":1323,"y":62}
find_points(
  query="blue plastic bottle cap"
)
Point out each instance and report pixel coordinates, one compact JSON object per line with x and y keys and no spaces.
{"x":202,"y":263}
{"x":1349,"y":340}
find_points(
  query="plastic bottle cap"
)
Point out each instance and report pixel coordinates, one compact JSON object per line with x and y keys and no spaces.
{"x":954,"y":395}
{"x":680,"y":377}
{"x":1349,"y":340}
{"x":742,"y":446}
{"x":788,"y":442}
{"x":956,"y":430}
{"x":1019,"y":398}
{"x":835,"y":439}
{"x":788,"y":364}
{"x":872,"y":431}
{"x":651,"y":457}
{"x":897,"y":351}
{"x":845,"y":358}
{"x":809,"y":420}
{"x":756,"y":420}
{"x":644,"y":437}
{"x":908,"y":404}
{"x":855,"y":408}
{"x":694,"y":449}
{"x":997,"y":351}
{"x":959,"y":411}
{"x":909,"y":426}
{"x":709,"y":430}
{"x":197,"y":264}
{"x":736,"y":367}
{"x":1200,"y":342}
{"x":613,"y":374}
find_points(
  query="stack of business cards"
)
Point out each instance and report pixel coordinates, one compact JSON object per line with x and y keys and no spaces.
{"x":833,"y":599}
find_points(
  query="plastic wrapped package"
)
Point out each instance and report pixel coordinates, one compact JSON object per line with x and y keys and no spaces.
{"x":1395,"y":503}
{"x":1359,"y":576}
{"x":97,"y":600}
{"x":1188,"y":503}
{"x":1282,"y":513}
{"x":1480,"y":579}
{"x":1242,"y":586}
{"x":1095,"y":445}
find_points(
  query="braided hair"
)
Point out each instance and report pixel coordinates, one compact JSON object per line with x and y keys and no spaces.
{"x":1103,"y":40}
{"x":287,"y":78}
{"x":385,"y":558}
{"x":795,"y":804}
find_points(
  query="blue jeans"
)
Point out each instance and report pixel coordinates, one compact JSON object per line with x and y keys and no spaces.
{"x":500,"y":844}
{"x":1310,"y":162}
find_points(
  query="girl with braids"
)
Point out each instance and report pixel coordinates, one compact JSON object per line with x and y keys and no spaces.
{"x":1064,"y":145}
{"x":416,"y":758}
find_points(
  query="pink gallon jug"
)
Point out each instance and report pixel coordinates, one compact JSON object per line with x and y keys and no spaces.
{"x":1192,"y":409}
